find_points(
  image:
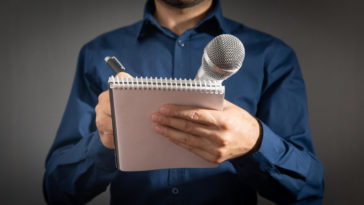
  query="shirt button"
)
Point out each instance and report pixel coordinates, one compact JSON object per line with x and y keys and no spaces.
{"x":175,"y":190}
{"x":181,"y":43}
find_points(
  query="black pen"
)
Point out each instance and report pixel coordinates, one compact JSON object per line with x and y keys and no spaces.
{"x":114,"y":64}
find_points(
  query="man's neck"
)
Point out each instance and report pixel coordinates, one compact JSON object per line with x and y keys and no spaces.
{"x":178,"y":20}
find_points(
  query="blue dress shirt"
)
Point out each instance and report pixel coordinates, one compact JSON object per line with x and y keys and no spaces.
{"x":269,"y":86}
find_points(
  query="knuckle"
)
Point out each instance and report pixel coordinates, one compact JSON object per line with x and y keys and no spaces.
{"x":212,"y":159}
{"x":221,"y":141}
{"x":97,"y":108}
{"x":187,"y":126}
{"x":99,"y":124}
{"x":219,"y":160}
{"x":216,"y":160}
{"x":219,"y":156}
{"x":218,"y":139}
{"x":225,"y":140}
{"x":219,"y":153}
{"x":226,"y":123}
{"x":195,"y":115}
{"x":97,"y":121}
{"x":186,"y":140}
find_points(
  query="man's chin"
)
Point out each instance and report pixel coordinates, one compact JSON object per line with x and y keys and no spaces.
{"x":181,"y":4}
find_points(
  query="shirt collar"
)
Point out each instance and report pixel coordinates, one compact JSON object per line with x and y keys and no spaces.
{"x":213,"y":23}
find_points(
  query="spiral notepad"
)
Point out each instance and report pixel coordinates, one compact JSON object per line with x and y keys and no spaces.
{"x":133,"y":100}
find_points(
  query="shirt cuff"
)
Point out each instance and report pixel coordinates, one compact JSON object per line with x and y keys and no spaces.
{"x":263,"y":160}
{"x":271,"y":146}
{"x":104,"y":158}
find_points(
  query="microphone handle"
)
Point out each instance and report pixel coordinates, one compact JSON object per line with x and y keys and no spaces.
{"x":201,"y":75}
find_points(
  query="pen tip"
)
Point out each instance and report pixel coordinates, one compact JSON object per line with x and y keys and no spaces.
{"x":107,"y":58}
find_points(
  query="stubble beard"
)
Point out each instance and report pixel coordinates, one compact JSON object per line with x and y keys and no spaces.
{"x":181,"y":4}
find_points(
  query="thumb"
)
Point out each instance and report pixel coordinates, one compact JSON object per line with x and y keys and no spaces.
{"x":124,"y":74}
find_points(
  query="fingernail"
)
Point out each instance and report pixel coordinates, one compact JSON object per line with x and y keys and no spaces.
{"x":158,"y":128}
{"x":156,"y":118}
{"x":164,"y":110}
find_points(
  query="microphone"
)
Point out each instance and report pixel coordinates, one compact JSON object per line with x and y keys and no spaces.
{"x":222,"y":57}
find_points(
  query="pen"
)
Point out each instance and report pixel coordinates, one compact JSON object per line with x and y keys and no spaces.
{"x":114,"y":64}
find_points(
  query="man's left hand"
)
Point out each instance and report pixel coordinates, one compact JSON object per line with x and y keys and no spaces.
{"x":213,"y":135}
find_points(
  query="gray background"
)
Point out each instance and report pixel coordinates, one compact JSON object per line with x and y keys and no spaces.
{"x":40,"y":40}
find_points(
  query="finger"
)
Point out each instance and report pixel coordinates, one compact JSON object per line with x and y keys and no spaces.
{"x":187,"y":139}
{"x":199,"y":152}
{"x":192,"y":113}
{"x":201,"y":130}
{"x":107,"y":125}
{"x":104,"y":127}
{"x":107,"y":140}
{"x":104,"y":124}
{"x":103,"y":105}
{"x":124,"y":74}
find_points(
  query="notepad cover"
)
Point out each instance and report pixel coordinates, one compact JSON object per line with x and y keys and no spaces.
{"x":138,"y":146}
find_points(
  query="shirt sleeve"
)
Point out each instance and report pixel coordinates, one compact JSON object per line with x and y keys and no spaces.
{"x":284,"y":169}
{"x":78,"y":166}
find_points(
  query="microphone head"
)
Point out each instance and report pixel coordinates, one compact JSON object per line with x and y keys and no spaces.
{"x":223,"y":56}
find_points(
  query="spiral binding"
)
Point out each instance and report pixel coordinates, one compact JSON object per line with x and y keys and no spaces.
{"x":140,"y":83}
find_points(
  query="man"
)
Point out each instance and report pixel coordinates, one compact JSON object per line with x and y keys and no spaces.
{"x":261,"y":138}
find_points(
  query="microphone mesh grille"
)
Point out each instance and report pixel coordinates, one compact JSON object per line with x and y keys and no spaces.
{"x":226,"y":52}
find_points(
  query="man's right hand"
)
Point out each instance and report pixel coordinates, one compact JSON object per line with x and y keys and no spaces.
{"x":103,"y":117}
